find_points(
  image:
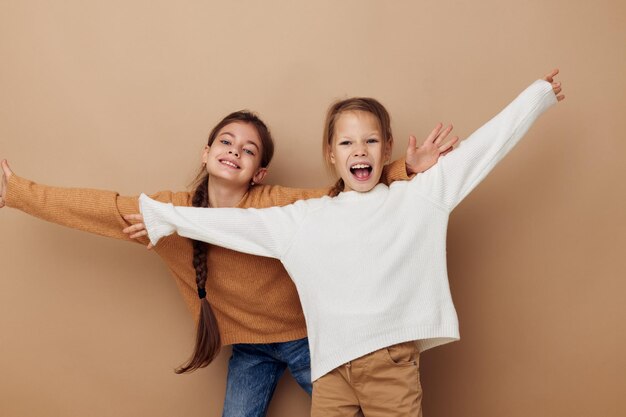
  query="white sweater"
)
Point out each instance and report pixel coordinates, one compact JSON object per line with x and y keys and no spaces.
{"x":370,"y":268}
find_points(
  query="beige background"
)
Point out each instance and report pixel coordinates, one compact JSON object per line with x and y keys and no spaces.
{"x":121,"y":95}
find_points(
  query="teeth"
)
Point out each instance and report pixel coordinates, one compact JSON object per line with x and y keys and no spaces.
{"x":230,"y":164}
{"x":358,"y":166}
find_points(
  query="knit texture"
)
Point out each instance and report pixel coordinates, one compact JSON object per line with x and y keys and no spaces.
{"x":370,"y":268}
{"x":252,"y":297}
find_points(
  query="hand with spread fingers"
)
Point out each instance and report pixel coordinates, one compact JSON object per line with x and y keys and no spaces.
{"x":556,"y":86}
{"x":420,"y":159}
{"x":6,"y":174}
{"x":138,"y":229}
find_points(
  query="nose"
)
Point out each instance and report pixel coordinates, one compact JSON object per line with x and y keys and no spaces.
{"x":360,"y":150}
{"x":236,"y":153}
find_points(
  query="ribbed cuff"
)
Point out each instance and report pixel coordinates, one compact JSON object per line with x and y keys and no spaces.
{"x":15,"y":187}
{"x":153,"y":218}
{"x":544,"y":97}
{"x":396,"y":171}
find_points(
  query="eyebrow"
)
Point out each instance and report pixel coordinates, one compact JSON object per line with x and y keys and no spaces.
{"x":374,"y":132}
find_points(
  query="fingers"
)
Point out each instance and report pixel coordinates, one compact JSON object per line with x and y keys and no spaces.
{"x":412,"y":143}
{"x":134,"y":228}
{"x":133,"y":217}
{"x":135,"y":233}
{"x":434,"y":134}
{"x":139,"y":234}
{"x":556,"y":88}
{"x":6,"y":169}
{"x":447,"y":147}
{"x":3,"y":187}
{"x":443,"y":135}
{"x":550,"y":77}
{"x":438,"y":134}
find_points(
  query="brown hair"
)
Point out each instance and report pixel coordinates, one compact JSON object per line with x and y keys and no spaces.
{"x":364,"y":104}
{"x":208,"y":342}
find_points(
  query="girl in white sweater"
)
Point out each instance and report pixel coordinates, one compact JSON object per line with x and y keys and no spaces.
{"x":371,"y":274}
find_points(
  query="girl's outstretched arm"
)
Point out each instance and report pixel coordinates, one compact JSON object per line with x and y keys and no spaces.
{"x":95,"y":211}
{"x":457,"y":174}
{"x":417,"y":160}
{"x":263,"y":232}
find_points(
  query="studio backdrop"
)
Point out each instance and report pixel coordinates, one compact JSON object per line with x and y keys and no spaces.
{"x":121,"y":95}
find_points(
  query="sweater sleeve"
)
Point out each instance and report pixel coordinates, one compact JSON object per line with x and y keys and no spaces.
{"x":94,"y":211}
{"x":458,"y":173}
{"x":263,"y":232}
{"x":395,"y":171}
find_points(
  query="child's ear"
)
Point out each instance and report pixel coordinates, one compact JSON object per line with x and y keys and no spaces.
{"x":331,"y":157}
{"x":260,"y":174}
{"x":205,"y":154}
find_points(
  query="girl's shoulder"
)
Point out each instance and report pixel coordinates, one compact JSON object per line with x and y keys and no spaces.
{"x":262,"y":196}
{"x":177,"y":198}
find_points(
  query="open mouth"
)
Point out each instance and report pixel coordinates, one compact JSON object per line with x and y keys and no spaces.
{"x":230,"y":164}
{"x":361,"y":171}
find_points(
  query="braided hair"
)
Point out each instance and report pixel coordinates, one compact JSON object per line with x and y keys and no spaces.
{"x":208,"y":341}
{"x":337,"y":188}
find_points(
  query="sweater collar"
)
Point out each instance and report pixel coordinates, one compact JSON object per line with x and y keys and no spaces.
{"x":379,"y":190}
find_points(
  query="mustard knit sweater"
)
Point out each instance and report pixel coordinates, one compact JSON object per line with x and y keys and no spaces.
{"x":253,"y":298}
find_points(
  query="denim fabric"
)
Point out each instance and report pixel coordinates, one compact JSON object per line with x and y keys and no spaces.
{"x":254,"y":371}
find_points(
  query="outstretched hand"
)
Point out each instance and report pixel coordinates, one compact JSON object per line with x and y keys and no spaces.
{"x":556,"y":86}
{"x":420,"y":159}
{"x":138,"y":229}
{"x":6,"y":174}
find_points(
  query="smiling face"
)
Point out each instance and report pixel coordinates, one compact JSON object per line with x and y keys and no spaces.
{"x":235,"y":155}
{"x":359,"y":150}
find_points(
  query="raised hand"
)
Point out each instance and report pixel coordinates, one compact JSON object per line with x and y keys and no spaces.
{"x":420,"y":159}
{"x":6,"y":174}
{"x":138,"y":229}
{"x":556,"y":86}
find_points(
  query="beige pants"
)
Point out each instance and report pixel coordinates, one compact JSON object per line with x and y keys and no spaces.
{"x":382,"y":383}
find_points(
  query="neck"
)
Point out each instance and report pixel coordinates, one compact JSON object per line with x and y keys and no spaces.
{"x":225,"y":194}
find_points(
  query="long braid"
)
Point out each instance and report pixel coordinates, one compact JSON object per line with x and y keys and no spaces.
{"x":208,"y":342}
{"x":337,"y":188}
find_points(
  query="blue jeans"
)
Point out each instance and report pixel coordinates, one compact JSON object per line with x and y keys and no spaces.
{"x":254,"y":371}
